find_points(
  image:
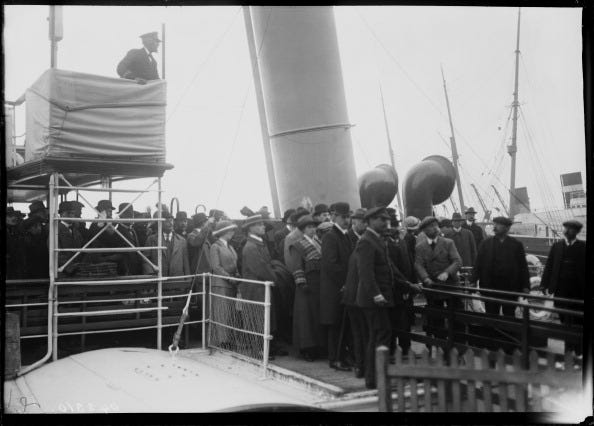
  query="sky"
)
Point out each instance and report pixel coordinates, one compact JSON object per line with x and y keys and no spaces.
{"x":213,"y":132}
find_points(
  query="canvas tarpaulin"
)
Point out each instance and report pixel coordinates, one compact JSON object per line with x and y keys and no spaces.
{"x":71,"y":114}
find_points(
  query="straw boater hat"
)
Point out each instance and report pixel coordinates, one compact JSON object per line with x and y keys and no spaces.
{"x":223,"y":227}
{"x":252,"y":220}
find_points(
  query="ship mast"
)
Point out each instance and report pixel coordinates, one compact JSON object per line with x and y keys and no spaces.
{"x":453,"y":146}
{"x":391,"y":150}
{"x":512,"y":149}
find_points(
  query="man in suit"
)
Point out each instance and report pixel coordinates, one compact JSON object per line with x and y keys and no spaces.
{"x":501,"y":265}
{"x":358,"y":226}
{"x":436,"y":260}
{"x":336,"y":250}
{"x":175,"y":256}
{"x":256,"y":265}
{"x":68,"y":236}
{"x":132,"y":261}
{"x":321,"y":213}
{"x":139,"y":64}
{"x":375,"y":292}
{"x":180,"y":224}
{"x":565,"y":274}
{"x":463,"y":239}
{"x":477,"y":231}
{"x":199,"y":243}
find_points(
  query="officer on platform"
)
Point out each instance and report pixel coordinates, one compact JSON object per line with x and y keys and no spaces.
{"x":139,"y":64}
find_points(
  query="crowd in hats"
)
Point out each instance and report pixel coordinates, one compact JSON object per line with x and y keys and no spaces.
{"x":344,"y":279}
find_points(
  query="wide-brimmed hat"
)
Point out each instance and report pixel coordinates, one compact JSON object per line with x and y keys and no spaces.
{"x":470,"y":210}
{"x":287,"y":215}
{"x":457,"y":216}
{"x":412,"y":223}
{"x":575,"y":224}
{"x":376,"y":212}
{"x":102,"y":205}
{"x":320,"y":208}
{"x":428,"y":220}
{"x":502,"y":220}
{"x":342,"y":209}
{"x":252,"y":220}
{"x":36,"y":206}
{"x":152,"y":34}
{"x":358,"y":214}
{"x":223,"y":227}
{"x":304,"y":221}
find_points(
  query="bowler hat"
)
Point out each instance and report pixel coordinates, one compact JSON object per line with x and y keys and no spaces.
{"x":319,"y":209}
{"x":181,"y":216}
{"x":304,"y":221}
{"x":199,"y":219}
{"x":152,"y":34}
{"x":342,"y":209}
{"x":411,"y":223}
{"x":470,"y":210}
{"x":428,"y":220}
{"x":36,"y":206}
{"x":223,"y":226}
{"x":252,"y":220}
{"x":358,"y":214}
{"x":572,"y":223}
{"x":503,"y":220}
{"x":288,"y":214}
{"x":456,"y":216}
{"x":123,"y":206}
{"x":376,"y":212}
{"x":103,"y":205}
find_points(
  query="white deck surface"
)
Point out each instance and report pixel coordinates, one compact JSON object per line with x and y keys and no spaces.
{"x":144,"y":380}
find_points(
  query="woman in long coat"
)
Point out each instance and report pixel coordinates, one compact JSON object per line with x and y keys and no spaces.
{"x":224,"y":263}
{"x":303,"y":261}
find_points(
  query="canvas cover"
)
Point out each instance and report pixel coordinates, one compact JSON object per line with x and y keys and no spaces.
{"x":71,"y":114}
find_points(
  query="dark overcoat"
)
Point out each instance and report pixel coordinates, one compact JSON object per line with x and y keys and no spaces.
{"x":136,"y":64}
{"x":336,"y":250}
{"x":483,"y":269}
{"x":550,"y":276}
{"x":477,"y":232}
{"x":465,"y":244}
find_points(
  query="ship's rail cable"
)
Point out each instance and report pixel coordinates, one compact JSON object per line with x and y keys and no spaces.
{"x":203,"y":64}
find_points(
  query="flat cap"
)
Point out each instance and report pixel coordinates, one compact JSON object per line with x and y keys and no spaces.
{"x":572,"y":223}
{"x":377,"y":212}
{"x":428,"y":220}
{"x":412,"y":223}
{"x":152,"y":34}
{"x":502,"y":220}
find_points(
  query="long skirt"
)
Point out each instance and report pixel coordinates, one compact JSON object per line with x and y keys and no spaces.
{"x":306,"y":314}
{"x":223,"y":310}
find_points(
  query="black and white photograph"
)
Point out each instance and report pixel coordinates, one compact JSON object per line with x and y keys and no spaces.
{"x":281,"y":209}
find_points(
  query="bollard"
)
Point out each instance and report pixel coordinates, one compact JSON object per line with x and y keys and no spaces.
{"x":12,"y":340}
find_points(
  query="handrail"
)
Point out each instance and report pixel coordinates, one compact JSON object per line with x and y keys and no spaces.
{"x":266,"y":283}
{"x":108,"y":312}
{"x":505,"y":302}
{"x":116,"y":220}
{"x":510,"y":293}
{"x":110,"y":249}
{"x":86,"y":188}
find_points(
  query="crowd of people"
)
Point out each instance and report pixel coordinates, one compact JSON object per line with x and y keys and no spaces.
{"x":343,"y":278}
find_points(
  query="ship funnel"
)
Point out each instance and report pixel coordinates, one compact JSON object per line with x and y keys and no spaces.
{"x":428,"y":183}
{"x":378,"y":186}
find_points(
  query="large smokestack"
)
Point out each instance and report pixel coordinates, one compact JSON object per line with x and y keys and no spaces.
{"x":305,"y":104}
{"x":428,"y":183}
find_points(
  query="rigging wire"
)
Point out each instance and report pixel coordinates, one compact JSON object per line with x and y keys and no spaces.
{"x":202,"y":66}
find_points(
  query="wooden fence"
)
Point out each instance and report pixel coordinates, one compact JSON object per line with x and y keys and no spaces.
{"x":470,"y":383}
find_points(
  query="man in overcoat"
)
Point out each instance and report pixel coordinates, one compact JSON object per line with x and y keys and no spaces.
{"x":477,"y":231}
{"x":463,"y":239}
{"x":175,"y":257}
{"x":501,"y":265}
{"x":336,"y":250}
{"x":565,"y":274}
{"x":139,"y":64}
{"x":436,"y":260}
{"x":375,"y":291}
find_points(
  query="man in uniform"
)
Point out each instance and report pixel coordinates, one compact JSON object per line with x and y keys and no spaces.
{"x":501,"y":265}
{"x":375,"y":292}
{"x":565,"y":274}
{"x":437,"y":260}
{"x":139,"y":64}
{"x":477,"y":231}
{"x":336,"y":250}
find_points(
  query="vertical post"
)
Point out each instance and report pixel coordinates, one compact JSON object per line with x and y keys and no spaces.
{"x":53,"y":42}
{"x":384,"y":393}
{"x":160,"y":265}
{"x":203,"y":311}
{"x":513,"y":148}
{"x":163,"y":51}
{"x":262,"y":110}
{"x":525,"y":336}
{"x":53,"y":232}
{"x":267,"y":336}
{"x":450,"y":343}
